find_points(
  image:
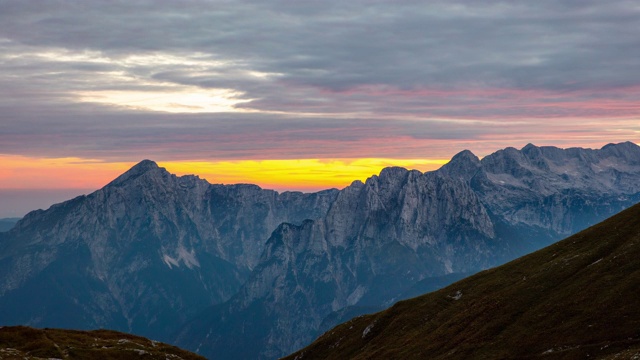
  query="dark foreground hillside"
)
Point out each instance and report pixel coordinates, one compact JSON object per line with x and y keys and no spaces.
{"x":576,"y":299}
{"x":20,"y":342}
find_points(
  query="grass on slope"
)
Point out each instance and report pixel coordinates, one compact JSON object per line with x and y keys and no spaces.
{"x":20,"y":342}
{"x":576,"y":299}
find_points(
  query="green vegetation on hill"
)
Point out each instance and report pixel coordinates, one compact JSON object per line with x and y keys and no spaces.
{"x":576,"y":299}
{"x":20,"y":342}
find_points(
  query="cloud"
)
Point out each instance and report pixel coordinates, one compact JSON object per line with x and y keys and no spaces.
{"x":310,"y":79}
{"x":341,"y":45}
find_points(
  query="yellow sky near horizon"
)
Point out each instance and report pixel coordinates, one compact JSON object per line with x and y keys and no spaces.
{"x":21,"y":172}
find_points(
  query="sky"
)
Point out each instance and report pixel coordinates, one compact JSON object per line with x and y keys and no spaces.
{"x":301,"y":95}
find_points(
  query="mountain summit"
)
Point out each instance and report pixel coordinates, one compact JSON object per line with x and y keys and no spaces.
{"x":576,"y":299}
{"x":140,"y":168}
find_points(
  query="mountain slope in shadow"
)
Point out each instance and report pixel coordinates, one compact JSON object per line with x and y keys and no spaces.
{"x":575,"y":299}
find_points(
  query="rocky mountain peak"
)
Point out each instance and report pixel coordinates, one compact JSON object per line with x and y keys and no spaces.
{"x":628,"y":151}
{"x":144,"y":165}
{"x":393,"y":172}
{"x":623,"y":145}
{"x":532,"y":151}
{"x":467,"y":156}
{"x":141,"y":168}
{"x":463,"y":165}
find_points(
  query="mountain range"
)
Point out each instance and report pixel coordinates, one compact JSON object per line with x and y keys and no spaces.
{"x":236,"y":271}
{"x":576,"y":299}
{"x":402,"y":229}
{"x":143,"y":254}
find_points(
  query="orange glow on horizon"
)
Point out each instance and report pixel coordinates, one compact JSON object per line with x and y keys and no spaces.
{"x":20,"y":172}
{"x":296,"y":174}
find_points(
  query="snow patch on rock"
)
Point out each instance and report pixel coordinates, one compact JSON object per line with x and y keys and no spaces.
{"x":356,"y":295}
{"x":188,"y":258}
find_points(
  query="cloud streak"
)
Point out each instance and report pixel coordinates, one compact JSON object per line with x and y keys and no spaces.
{"x":120,"y":81}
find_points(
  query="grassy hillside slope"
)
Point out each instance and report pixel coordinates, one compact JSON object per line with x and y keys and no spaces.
{"x":20,"y":342}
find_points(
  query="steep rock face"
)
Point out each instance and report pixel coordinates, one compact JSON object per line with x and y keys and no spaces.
{"x":250,"y":215}
{"x":378,"y":239}
{"x":402,"y":228}
{"x":142,"y":254}
{"x":576,"y":299}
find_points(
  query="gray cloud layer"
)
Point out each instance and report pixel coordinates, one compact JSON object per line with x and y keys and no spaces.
{"x":324,"y":78}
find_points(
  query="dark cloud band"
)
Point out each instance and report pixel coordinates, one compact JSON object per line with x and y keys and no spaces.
{"x":310,"y":78}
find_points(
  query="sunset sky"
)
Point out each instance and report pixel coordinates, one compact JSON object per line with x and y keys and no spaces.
{"x":301,"y":94}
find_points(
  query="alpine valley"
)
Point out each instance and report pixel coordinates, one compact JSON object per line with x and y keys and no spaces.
{"x":236,"y":271}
